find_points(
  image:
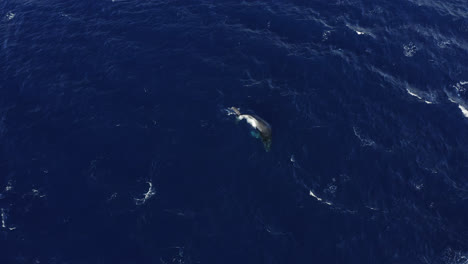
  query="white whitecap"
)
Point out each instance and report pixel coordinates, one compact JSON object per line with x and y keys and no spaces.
{"x":413,"y":94}
{"x":461,"y":86}
{"x":464,"y":110}
{"x":10,"y":15}
{"x":319,"y":199}
{"x":417,"y":96}
{"x":315,"y":196}
{"x":292,"y":159}
{"x":229,"y":111}
{"x":453,"y":101}
{"x":147,"y":195}
{"x":9,"y":186}
{"x":409,"y":49}
{"x":459,"y":102}
{"x":3,"y":215}
{"x":37,"y":193}
{"x":365,"y":141}
{"x":444,"y":44}
{"x":325,"y":35}
{"x":372,"y":208}
{"x":360,"y":31}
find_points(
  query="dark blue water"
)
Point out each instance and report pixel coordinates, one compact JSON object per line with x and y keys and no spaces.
{"x":116,"y":146}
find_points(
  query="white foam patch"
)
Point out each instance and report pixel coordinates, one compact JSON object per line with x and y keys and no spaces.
{"x":461,"y":86}
{"x":360,"y":31}
{"x":10,"y":15}
{"x":293,"y":159}
{"x":229,"y":111}
{"x":9,"y":186}
{"x":315,"y":196}
{"x":372,"y":208}
{"x":325,"y":35}
{"x":294,"y":162}
{"x":367,"y":142}
{"x":112,"y":197}
{"x":452,"y":256}
{"x":318,"y":198}
{"x":444,"y":44}
{"x":413,"y":94}
{"x":37,"y":193}
{"x":417,"y":96}
{"x":429,"y":98}
{"x":150,"y":193}
{"x":409,"y":49}
{"x":3,"y":215}
{"x":464,"y":110}
{"x":460,"y":104}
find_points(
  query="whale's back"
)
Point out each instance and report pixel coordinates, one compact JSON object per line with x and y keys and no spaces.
{"x":257,"y":123}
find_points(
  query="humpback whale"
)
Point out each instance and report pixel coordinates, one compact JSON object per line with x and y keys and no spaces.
{"x":258,"y":124}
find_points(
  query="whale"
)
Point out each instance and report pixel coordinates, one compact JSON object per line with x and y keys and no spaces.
{"x":260,"y":125}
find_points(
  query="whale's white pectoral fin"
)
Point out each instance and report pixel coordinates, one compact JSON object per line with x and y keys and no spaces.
{"x":252,"y":121}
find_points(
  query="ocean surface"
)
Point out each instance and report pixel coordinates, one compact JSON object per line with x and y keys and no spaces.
{"x":117,"y":145}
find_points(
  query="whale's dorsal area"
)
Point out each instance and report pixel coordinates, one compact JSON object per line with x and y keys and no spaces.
{"x":257,"y":123}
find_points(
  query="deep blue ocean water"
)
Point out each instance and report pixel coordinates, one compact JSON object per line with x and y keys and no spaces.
{"x":116,"y":145}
